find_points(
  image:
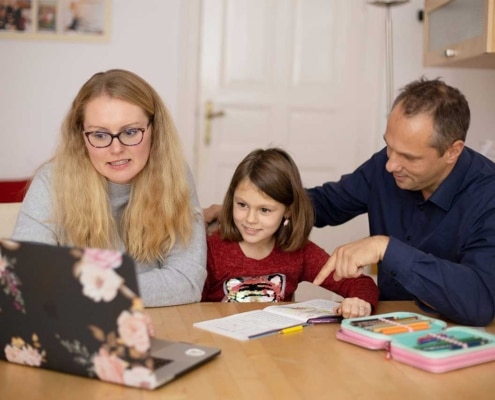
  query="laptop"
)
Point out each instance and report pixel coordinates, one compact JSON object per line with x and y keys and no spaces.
{"x":78,"y":311}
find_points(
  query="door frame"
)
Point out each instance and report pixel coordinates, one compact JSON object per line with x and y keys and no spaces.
{"x":188,"y":69}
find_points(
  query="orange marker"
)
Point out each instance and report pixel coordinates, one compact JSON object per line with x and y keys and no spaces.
{"x":418,"y":326}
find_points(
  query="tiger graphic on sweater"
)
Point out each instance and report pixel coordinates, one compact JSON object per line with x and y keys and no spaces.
{"x":265,"y":288}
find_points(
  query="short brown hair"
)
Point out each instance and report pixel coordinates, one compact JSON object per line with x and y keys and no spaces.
{"x":447,"y":106}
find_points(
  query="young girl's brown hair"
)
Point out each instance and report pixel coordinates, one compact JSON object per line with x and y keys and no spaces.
{"x":275,"y":174}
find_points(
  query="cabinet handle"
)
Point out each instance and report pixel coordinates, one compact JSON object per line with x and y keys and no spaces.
{"x":450,"y":53}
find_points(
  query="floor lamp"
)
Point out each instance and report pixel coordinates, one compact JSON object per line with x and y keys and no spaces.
{"x":389,"y":48}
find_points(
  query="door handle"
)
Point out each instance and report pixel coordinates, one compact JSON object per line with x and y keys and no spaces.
{"x":209,"y":115}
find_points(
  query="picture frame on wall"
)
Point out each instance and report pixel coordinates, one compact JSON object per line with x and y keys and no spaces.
{"x":85,"y":20}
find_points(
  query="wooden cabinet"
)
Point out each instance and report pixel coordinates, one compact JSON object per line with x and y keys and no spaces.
{"x":459,"y":33}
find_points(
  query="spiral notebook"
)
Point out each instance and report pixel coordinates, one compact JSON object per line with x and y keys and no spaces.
{"x":78,"y":311}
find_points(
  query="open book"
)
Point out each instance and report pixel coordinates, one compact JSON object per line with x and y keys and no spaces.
{"x":271,"y":319}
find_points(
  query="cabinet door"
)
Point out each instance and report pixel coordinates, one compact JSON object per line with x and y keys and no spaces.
{"x":459,"y":33}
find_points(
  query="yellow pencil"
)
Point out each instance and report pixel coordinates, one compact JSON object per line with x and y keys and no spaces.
{"x":292,"y":329}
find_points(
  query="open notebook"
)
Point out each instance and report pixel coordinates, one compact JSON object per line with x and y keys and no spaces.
{"x":78,"y":311}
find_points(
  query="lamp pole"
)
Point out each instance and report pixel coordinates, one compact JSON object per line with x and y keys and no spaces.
{"x":389,"y":48}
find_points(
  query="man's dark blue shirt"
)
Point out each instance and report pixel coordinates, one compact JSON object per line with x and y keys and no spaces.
{"x":442,"y":250}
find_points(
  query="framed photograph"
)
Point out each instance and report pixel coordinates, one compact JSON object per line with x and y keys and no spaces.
{"x":55,"y":19}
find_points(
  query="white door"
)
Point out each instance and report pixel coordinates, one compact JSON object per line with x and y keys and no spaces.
{"x":305,"y":75}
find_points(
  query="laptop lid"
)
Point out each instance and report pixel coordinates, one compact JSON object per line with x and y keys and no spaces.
{"x":79,"y":311}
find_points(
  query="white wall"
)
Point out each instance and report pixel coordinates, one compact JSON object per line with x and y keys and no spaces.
{"x":38,"y":79}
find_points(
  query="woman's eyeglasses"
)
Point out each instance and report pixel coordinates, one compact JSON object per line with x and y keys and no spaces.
{"x":128,"y":137}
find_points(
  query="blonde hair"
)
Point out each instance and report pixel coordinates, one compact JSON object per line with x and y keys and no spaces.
{"x":159,"y":212}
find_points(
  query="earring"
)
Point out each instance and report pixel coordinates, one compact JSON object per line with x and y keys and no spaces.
{"x":286,"y":222}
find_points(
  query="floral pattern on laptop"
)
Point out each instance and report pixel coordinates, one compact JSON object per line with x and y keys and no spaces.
{"x":96,"y":272}
{"x":123,"y":356}
{"x":9,"y":281}
{"x":122,"y":351}
{"x":20,"y":352}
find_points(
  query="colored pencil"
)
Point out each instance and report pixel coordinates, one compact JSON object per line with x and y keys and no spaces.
{"x":391,"y":330}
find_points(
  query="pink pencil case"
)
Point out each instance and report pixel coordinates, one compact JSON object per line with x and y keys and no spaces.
{"x":420,"y":341}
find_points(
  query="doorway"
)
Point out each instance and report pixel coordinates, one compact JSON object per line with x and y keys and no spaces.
{"x":305,"y":75}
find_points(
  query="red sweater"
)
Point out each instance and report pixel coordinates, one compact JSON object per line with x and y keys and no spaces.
{"x":236,"y":278}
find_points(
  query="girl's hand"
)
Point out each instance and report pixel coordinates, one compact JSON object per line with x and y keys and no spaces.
{"x":352,"y":307}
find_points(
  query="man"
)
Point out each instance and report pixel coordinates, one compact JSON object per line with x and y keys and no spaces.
{"x":431,"y":207}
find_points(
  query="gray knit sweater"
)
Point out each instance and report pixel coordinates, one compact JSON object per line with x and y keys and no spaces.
{"x":179,"y":280}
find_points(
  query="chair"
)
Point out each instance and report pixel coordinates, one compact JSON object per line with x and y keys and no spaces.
{"x":13,"y":191}
{"x":8,"y":218}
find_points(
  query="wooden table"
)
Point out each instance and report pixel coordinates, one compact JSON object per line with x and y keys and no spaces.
{"x":309,"y":364}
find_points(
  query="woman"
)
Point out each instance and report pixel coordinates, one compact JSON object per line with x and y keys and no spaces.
{"x":119,"y":180}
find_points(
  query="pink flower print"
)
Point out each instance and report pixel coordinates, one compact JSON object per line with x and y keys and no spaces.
{"x":13,"y":354}
{"x":3,"y":264}
{"x":102,"y":258}
{"x":31,"y":356}
{"x":140,"y":377}
{"x":99,"y":283}
{"x":23,"y":353}
{"x":108,"y":367}
{"x":10,"y":282}
{"x":133,"y":330}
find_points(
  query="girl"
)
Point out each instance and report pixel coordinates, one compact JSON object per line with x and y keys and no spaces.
{"x":262,"y":249}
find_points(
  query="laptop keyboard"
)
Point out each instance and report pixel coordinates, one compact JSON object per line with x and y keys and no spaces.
{"x":160,"y":362}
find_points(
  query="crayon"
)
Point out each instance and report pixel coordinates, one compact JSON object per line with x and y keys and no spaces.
{"x":431,"y":338}
{"x":292,"y":329}
{"x":376,"y":322}
{"x":399,"y":322}
{"x":462,"y":344}
{"x":391,"y":330}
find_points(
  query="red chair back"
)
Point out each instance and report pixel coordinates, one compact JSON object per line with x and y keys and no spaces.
{"x":13,"y":191}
